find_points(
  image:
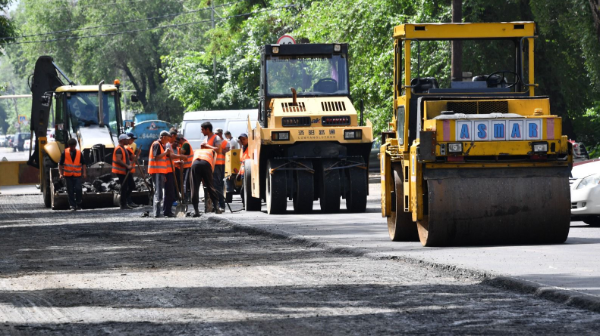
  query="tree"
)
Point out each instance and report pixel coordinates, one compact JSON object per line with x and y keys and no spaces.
{"x":7,"y":28}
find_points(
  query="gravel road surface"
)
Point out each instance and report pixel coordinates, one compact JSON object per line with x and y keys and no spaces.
{"x":108,"y":271}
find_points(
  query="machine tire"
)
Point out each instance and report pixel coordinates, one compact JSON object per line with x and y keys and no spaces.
{"x":330,"y":197}
{"x":276,"y":188}
{"x":356,"y":197}
{"x":47,"y":195}
{"x":251,"y":203}
{"x":305,"y":190}
{"x":400,"y":224}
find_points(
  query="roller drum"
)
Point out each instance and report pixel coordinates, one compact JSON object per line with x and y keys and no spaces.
{"x":493,"y":206}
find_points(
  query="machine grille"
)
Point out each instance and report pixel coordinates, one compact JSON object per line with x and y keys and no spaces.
{"x":483,"y":107}
{"x":333,"y":106}
{"x":289,"y":107}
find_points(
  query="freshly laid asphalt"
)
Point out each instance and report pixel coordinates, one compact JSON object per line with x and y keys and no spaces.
{"x":573,"y":266}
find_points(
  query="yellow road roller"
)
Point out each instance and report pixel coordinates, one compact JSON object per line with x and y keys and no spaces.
{"x":481,"y":159}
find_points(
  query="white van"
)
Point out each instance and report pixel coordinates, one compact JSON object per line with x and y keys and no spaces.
{"x":234,"y":121}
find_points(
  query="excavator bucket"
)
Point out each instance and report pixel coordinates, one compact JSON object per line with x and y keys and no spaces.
{"x":100,"y":189}
{"x":495,"y":206}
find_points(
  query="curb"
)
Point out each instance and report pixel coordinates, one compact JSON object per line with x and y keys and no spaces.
{"x":555,"y":294}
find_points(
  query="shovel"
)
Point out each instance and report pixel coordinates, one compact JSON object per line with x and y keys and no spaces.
{"x":180,"y":210}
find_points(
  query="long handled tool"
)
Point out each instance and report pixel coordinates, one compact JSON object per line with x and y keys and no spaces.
{"x":180,"y":209}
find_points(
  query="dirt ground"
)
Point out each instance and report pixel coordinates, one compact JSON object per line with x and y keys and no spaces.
{"x":107,"y":271}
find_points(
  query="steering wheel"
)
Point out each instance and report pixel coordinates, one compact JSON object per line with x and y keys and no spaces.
{"x":325,"y":82}
{"x":503,"y":78}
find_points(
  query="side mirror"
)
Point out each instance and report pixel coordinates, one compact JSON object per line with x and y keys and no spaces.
{"x":134,"y":98}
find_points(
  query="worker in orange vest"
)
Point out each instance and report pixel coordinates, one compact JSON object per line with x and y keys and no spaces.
{"x":159,"y":166}
{"x":122,"y":164}
{"x":244,"y":143}
{"x":202,"y":171}
{"x":187,"y":154}
{"x":219,"y":145}
{"x":71,"y":167}
{"x":134,"y":152}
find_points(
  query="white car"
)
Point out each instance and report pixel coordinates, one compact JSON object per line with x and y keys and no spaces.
{"x":585,"y":193}
{"x":27,"y":144}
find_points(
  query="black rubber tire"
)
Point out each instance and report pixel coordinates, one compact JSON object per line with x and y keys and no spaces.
{"x":276,"y":188}
{"x":356,"y":196}
{"x":400,"y":224}
{"x":305,"y":189}
{"x":47,"y":195}
{"x":330,"y":197}
{"x":251,"y":203}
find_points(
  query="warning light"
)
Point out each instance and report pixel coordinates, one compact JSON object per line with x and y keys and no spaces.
{"x":117,"y":82}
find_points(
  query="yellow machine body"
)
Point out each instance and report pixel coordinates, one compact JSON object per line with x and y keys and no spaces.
{"x":473,"y":164}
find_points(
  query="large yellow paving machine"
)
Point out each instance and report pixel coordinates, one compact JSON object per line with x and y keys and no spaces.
{"x":308,"y":143}
{"x":480,"y":161}
{"x":89,"y":113}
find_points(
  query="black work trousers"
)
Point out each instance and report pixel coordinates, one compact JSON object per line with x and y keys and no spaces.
{"x":169,"y":194}
{"x":202,"y":172}
{"x":74,"y":190}
{"x":127,"y":186}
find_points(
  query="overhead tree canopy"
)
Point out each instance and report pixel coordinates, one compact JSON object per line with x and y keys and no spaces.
{"x":164,"y":50}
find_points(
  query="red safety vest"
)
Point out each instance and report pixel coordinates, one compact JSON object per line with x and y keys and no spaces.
{"x":161,"y":166}
{"x":117,"y":168}
{"x":206,"y":155}
{"x":72,"y":168}
{"x":190,"y":158}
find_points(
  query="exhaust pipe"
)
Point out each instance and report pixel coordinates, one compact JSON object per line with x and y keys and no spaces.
{"x":100,"y":105}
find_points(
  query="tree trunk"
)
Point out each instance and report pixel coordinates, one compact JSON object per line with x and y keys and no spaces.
{"x":457,"y":45}
{"x":595,"y":4}
{"x":139,"y":90}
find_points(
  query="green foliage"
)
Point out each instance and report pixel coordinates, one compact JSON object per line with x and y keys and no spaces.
{"x":197,"y":67}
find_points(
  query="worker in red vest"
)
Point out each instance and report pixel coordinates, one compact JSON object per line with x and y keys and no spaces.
{"x":202,"y":171}
{"x":122,"y":165}
{"x":71,"y":167}
{"x":219,"y":145}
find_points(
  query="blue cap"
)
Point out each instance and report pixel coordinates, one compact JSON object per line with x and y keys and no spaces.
{"x":131,"y":135}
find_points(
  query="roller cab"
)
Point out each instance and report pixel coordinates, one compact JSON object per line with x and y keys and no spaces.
{"x":480,"y":161}
{"x":308,"y":143}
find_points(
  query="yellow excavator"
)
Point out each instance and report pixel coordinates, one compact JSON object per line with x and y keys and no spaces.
{"x":480,"y":161}
{"x":89,"y":113}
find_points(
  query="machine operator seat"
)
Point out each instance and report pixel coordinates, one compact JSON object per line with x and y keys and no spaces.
{"x":326,"y":85}
{"x":423,"y":84}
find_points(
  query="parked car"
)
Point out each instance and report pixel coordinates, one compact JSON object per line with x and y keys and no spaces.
{"x":19,"y":141}
{"x":5,"y":140}
{"x":585,"y":192}
{"x":27,"y":144}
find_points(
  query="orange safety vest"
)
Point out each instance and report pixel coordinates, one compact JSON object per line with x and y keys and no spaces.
{"x":130,"y":149}
{"x":161,"y":166}
{"x":206,"y":155}
{"x":221,"y":157}
{"x":72,"y":168}
{"x":117,"y":168}
{"x":190,"y":158}
{"x":243,"y":158}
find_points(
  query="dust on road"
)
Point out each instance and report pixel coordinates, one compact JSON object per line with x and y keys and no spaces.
{"x":108,"y":271}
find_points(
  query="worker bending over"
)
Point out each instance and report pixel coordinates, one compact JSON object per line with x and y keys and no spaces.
{"x":159,"y":166}
{"x":202,"y":171}
{"x":71,"y":167}
{"x":122,"y":165}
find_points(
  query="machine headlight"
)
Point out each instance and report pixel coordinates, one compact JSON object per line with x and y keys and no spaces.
{"x":275,"y":50}
{"x":280,"y":136}
{"x":589,"y":181}
{"x":337,"y":48}
{"x":540,"y":147}
{"x":455,"y":147}
{"x":352,"y":134}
